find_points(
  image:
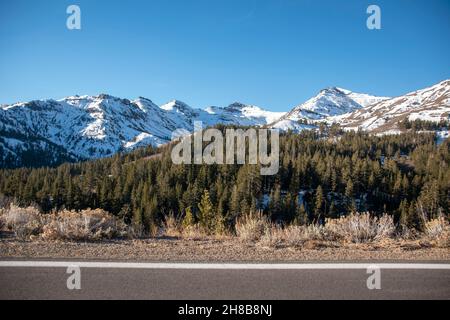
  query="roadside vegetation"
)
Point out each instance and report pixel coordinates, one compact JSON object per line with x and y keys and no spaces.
{"x":97,"y":225}
{"x":86,"y":225}
{"x":332,"y":187}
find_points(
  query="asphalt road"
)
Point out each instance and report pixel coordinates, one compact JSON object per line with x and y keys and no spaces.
{"x":221,"y":283}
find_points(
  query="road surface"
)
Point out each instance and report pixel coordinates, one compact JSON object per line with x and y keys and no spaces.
{"x":48,"y":280}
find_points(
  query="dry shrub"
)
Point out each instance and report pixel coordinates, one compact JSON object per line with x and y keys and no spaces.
{"x":292,"y":236}
{"x":273,"y":236}
{"x":405,"y":233}
{"x":315,"y":232}
{"x":252,"y":227}
{"x":357,"y":228}
{"x":437,"y":228}
{"x":385,"y":227}
{"x":360,"y":228}
{"x":172,"y":226}
{"x":25,"y":222}
{"x":194,"y":232}
{"x":84,"y":225}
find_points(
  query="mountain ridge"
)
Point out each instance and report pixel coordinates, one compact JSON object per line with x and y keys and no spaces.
{"x":89,"y":127}
{"x":430,"y":104}
{"x":86,"y":127}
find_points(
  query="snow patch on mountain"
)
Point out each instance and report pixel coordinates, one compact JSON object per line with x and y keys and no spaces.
{"x":86,"y":127}
{"x":330,"y":102}
{"x":286,"y":125}
{"x":430,"y":104}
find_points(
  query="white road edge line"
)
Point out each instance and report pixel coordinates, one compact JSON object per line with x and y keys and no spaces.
{"x":222,"y":266}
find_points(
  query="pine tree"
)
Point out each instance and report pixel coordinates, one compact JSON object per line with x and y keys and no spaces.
{"x":206,"y":214}
{"x":137,"y":220}
{"x":332,"y":212}
{"x":275,"y":204}
{"x":398,"y":185}
{"x":353,"y":165}
{"x":235,"y":201}
{"x":188,"y":220}
{"x":349,"y":196}
{"x":289,"y":207}
{"x":412,"y":216}
{"x":301,"y":217}
{"x":404,"y":213}
{"x":334,"y":180}
{"x":219,"y":224}
{"x":319,"y":202}
{"x":349,"y":189}
{"x":150,"y":213}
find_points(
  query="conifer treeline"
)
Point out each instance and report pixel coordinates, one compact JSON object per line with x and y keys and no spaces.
{"x":405,"y":175}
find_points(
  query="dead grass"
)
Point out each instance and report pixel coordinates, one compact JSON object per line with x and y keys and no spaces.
{"x":360,"y":228}
{"x":25,"y":222}
{"x":437,"y":228}
{"x":173,"y":227}
{"x":93,"y":225}
{"x":29,"y":223}
{"x":83,"y":225}
{"x":292,"y":236}
{"x":252,"y":227}
{"x":274,"y":237}
{"x":437,"y":231}
{"x":356,"y":228}
{"x":195,"y":232}
{"x":405,"y":233}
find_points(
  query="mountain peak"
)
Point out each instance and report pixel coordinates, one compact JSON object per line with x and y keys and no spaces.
{"x":236,"y":106}
{"x":144,"y":99}
{"x":332,"y":90}
{"x":105,"y":96}
{"x":329,"y":102}
{"x":177,"y":105}
{"x":87,"y":127}
{"x":430,"y":104}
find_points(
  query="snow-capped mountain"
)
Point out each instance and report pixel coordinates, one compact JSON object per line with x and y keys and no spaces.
{"x":86,"y":127}
{"x":359,"y":111}
{"x":242,"y":114}
{"x":432,"y":104}
{"x":48,"y":132}
{"x":236,"y":114}
{"x":329,"y":102}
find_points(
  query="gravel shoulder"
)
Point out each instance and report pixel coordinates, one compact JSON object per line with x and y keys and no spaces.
{"x":218,"y":250}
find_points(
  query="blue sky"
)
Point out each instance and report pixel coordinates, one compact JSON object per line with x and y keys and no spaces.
{"x":272,"y":53}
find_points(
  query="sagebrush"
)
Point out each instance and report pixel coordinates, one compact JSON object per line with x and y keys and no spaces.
{"x":25,"y":222}
{"x":437,"y":228}
{"x":83,"y":225}
{"x":93,"y":225}
{"x":359,"y":228}
{"x":252,"y":227}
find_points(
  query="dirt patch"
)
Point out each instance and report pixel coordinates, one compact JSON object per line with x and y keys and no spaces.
{"x":209,"y":250}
